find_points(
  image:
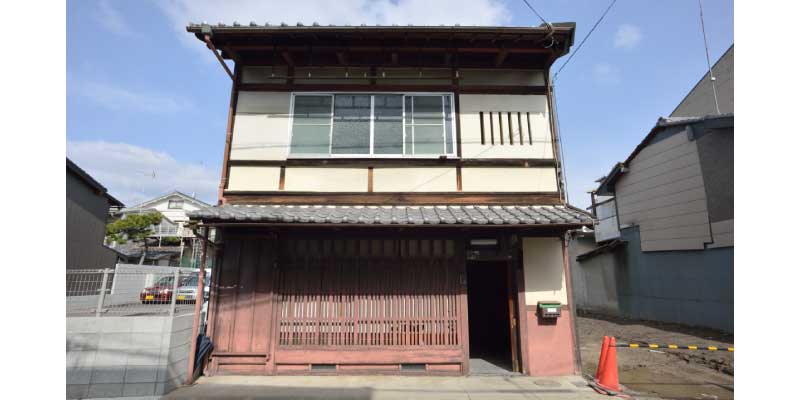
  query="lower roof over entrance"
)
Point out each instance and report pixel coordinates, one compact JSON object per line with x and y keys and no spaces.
{"x":394,"y":215}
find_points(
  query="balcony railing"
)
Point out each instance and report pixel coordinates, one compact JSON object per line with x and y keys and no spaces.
{"x":176,"y":230}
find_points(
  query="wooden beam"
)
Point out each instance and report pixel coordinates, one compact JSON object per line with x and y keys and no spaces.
{"x":369,"y":179}
{"x":396,"y":49}
{"x":234,"y":98}
{"x":323,"y":87}
{"x":500,"y":57}
{"x":398,"y":162}
{"x":287,"y":57}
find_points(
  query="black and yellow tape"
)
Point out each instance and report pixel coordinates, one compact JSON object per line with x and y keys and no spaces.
{"x":673,"y":346}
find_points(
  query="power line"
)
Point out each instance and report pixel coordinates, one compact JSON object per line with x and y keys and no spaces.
{"x":536,"y":12}
{"x":584,"y":39}
{"x":708,"y":59}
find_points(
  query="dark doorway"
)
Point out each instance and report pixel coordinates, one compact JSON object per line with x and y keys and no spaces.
{"x":489,"y":323}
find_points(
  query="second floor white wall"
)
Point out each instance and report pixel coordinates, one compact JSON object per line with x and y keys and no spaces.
{"x":490,"y":127}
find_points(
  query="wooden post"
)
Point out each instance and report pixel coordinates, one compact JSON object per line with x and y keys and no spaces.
{"x":571,"y":303}
{"x":102,"y":297}
{"x":198,"y":306}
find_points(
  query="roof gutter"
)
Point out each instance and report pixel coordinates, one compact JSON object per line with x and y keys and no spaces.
{"x":207,"y":33}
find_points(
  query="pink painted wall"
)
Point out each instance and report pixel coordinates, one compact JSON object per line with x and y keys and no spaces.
{"x":550,"y":347}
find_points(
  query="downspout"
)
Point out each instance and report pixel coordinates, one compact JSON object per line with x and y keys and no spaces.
{"x":207,"y":33}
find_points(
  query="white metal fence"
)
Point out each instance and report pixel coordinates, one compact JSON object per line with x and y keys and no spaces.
{"x":132,"y":290}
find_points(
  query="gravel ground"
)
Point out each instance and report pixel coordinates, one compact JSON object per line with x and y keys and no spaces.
{"x":662,"y":373}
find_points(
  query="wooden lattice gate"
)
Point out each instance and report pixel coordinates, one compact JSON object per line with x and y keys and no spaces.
{"x":352,"y":304}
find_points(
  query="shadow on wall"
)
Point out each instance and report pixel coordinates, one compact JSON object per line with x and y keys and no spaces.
{"x":544,"y":273}
{"x":217,"y":391}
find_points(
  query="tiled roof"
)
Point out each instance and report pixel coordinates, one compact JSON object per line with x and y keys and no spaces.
{"x":395,"y":215}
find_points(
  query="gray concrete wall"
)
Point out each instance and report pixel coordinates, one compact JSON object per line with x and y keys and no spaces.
{"x":692,"y":287}
{"x":689,"y":287}
{"x":126,"y":356}
{"x":594,"y":285}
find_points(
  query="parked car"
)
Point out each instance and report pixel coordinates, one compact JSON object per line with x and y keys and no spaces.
{"x":161,"y":291}
{"x":187,"y":291}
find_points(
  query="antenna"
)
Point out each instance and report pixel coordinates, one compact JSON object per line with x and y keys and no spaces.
{"x":708,"y":59}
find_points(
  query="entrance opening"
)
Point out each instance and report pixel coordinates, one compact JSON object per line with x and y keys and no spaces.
{"x":489,"y":323}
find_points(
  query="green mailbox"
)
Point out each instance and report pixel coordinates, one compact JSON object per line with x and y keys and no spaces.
{"x":549,"y":309}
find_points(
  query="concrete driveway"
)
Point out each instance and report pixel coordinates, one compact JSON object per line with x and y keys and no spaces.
{"x":386,"y":387}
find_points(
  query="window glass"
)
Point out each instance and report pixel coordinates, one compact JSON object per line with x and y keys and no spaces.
{"x":379,"y":124}
{"x":351,"y":119}
{"x":175,"y":204}
{"x":409,"y":148}
{"x":428,"y":139}
{"x":388,"y":124}
{"x":311,"y":125}
{"x":428,"y":110}
{"x":448,"y":126}
{"x":428,"y":123}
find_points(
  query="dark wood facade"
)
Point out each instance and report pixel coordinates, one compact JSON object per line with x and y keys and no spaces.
{"x":293,"y":302}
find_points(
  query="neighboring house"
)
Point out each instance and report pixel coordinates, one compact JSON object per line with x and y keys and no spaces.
{"x":391,"y":202}
{"x":664,"y":228}
{"x":172,"y":242}
{"x":88,"y":204}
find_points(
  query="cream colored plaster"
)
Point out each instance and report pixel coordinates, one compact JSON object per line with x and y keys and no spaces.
{"x":249,"y":178}
{"x":511,"y":179}
{"x":544,"y":270}
{"x":436,"y":179}
{"x":309,"y":179}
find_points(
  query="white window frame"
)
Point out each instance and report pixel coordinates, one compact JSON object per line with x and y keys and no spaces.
{"x":371,"y":153}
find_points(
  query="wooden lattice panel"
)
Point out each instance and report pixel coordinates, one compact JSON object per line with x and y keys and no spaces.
{"x":351,"y":293}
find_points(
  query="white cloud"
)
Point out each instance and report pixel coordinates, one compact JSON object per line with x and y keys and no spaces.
{"x":117,"y":98}
{"x":127,"y":170}
{"x":111,"y":19}
{"x":354,"y":12}
{"x":627,"y":36}
{"x":606,"y":73}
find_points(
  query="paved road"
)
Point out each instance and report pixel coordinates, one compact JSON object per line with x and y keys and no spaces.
{"x":387,"y":388}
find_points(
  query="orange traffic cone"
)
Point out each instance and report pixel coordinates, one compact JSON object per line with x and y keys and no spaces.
{"x":602,"y":362}
{"x":608,"y":377}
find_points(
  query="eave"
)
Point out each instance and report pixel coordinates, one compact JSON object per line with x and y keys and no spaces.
{"x":420,"y":46}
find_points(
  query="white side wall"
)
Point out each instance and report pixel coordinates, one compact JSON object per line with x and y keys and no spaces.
{"x":261,"y":132}
{"x":665,"y":195}
{"x":495,"y":179}
{"x":544,"y":270}
{"x":607,"y":226}
{"x":533,"y":107}
{"x":261,"y":126}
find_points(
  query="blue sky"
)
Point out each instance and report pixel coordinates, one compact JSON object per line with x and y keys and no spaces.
{"x":144,"y":96}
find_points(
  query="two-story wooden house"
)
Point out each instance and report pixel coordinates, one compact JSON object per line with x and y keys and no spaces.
{"x":391,"y":201}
